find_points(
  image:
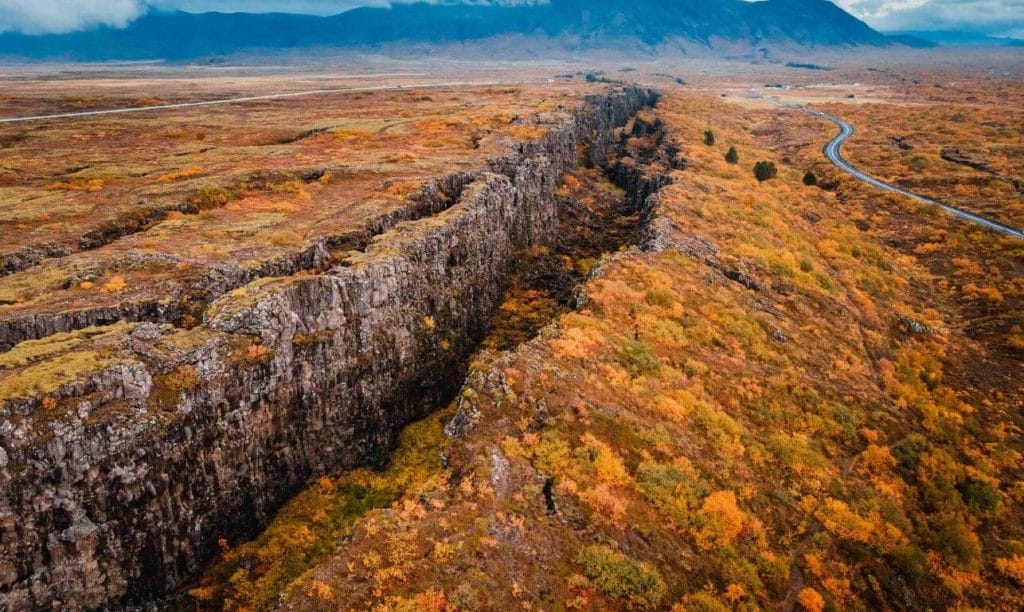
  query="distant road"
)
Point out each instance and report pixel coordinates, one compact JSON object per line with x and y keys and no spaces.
{"x":832,"y":152}
{"x":293,"y":94}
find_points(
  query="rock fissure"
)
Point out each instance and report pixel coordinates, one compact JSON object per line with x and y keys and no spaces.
{"x":118,"y":484}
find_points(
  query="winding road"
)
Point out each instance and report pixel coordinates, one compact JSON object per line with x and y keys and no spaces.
{"x":833,"y":153}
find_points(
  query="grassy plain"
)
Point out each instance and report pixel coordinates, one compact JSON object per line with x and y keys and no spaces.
{"x":102,"y":211}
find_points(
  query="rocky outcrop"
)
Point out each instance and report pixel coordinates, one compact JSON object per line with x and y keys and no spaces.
{"x":192,"y":297}
{"x":116,"y":486}
{"x":955,"y":156}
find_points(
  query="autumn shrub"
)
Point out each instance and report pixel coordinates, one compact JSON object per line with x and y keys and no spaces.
{"x":1012,"y":568}
{"x":908,"y":451}
{"x":958,"y":544}
{"x":192,"y":172}
{"x":1015,"y":339}
{"x":617,"y":575}
{"x":257,"y":353}
{"x":918,"y":163}
{"x":910,"y":561}
{"x":701,"y":601}
{"x":637,"y":358}
{"x":168,"y":388}
{"x":658,"y":297}
{"x":114,"y":285}
{"x":810,"y":600}
{"x":979,"y":495}
{"x":209,"y":197}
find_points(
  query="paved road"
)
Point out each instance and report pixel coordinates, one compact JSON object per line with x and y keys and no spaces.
{"x":832,"y":152}
{"x":293,"y":94}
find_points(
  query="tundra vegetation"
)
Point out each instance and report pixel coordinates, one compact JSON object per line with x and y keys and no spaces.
{"x":802,"y":393}
{"x":811,"y":396}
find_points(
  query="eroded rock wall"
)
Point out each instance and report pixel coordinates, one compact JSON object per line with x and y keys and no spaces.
{"x":122,"y":490}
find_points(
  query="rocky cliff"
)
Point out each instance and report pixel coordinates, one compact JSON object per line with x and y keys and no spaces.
{"x":127,"y":457}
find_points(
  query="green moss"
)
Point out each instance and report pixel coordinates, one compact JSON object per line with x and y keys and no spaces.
{"x":616,"y":575}
{"x":29,"y":352}
{"x":51,"y":375}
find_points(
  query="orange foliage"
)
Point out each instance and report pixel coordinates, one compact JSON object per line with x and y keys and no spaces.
{"x":89,"y":185}
{"x":114,"y":285}
{"x":811,"y":600}
{"x":1012,"y":568}
{"x":181,"y":174}
{"x":257,"y":352}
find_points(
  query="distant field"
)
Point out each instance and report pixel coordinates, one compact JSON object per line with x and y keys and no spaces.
{"x":158,"y":199}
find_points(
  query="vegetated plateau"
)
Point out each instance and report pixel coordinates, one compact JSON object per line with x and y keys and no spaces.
{"x":571,"y":343}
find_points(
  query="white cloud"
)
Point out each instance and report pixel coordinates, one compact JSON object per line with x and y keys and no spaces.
{"x":308,"y":7}
{"x":990,"y":16}
{"x":46,"y":16}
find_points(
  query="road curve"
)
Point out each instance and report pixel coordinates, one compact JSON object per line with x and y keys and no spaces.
{"x":278,"y":96}
{"x":833,"y":153}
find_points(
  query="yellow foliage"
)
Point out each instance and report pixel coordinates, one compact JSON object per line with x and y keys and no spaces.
{"x":972,"y":291}
{"x":321,"y":590}
{"x":114,"y":285}
{"x":609,"y":467}
{"x":723,"y":520}
{"x":609,"y":506}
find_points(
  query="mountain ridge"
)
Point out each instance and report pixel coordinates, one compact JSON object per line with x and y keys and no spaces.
{"x":607,"y":24}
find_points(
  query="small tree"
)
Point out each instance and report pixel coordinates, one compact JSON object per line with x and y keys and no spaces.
{"x":765,"y":170}
{"x":810,"y":180}
{"x":732,"y":156}
{"x":709,"y":138}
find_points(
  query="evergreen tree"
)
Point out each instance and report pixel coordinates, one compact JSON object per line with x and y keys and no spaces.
{"x":709,"y":138}
{"x":732,"y":156}
{"x":765,"y":170}
{"x":810,"y":180}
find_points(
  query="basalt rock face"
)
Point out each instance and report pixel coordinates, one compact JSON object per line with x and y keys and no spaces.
{"x":115,"y":487}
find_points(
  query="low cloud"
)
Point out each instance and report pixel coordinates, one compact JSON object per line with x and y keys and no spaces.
{"x":60,"y":16}
{"x":55,"y":16}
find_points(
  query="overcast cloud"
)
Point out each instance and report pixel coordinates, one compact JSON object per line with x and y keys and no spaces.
{"x":997,"y":17}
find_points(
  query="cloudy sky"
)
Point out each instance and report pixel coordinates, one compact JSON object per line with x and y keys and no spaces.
{"x":997,"y":17}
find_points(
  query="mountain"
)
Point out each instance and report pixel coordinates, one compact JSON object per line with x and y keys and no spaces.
{"x":959,"y":38}
{"x":576,"y":24}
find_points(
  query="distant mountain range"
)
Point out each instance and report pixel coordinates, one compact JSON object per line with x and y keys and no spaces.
{"x":570,"y":24}
{"x":959,"y":38}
